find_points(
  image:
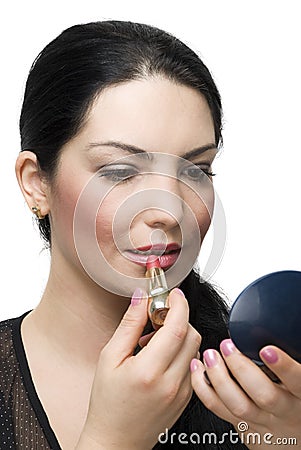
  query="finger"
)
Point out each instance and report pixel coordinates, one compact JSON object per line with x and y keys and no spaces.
{"x":206,"y":393}
{"x":184,"y":394}
{"x":286,"y":368}
{"x":179,"y":367}
{"x":230,"y":393}
{"x":168,"y":340}
{"x":126,"y":336}
{"x":144,"y":340}
{"x":267,"y":395}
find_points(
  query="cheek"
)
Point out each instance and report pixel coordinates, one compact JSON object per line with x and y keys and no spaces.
{"x":97,"y":219}
{"x":62,"y":211}
{"x":202,"y":206}
{"x":204,"y":220}
{"x":104,"y":222}
{"x":103,"y":225}
{"x":114,"y":219}
{"x":67,"y":190}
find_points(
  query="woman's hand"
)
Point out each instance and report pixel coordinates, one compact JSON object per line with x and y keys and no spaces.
{"x":254,"y":401}
{"x":135,"y":398}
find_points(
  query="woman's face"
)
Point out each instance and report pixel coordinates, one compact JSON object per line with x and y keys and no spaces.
{"x":145,"y":197}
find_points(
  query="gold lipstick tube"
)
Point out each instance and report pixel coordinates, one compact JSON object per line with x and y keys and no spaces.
{"x":158,"y":304}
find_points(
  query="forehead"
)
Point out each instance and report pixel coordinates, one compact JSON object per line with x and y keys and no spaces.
{"x":155,"y":114}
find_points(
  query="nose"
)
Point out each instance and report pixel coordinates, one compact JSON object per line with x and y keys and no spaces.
{"x":157,"y":218}
{"x":165,"y":206}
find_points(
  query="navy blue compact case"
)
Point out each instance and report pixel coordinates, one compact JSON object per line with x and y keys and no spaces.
{"x":268,"y":312}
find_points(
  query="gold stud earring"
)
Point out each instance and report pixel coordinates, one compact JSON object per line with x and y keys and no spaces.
{"x":37,"y":212}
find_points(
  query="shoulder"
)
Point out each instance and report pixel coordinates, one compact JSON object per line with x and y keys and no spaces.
{"x":9,"y":366}
{"x":6,"y":330}
{"x":7,"y":354}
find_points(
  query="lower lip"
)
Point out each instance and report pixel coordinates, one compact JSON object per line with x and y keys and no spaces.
{"x":165,"y":260}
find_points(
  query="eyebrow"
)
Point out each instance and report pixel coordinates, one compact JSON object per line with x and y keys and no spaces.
{"x":135,"y":150}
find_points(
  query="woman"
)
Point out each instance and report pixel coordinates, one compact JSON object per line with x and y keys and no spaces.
{"x":101,"y":101}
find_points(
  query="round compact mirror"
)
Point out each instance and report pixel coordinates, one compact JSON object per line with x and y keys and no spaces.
{"x":268,"y":312}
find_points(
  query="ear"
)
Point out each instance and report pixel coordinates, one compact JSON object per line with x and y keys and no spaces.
{"x":32,"y":184}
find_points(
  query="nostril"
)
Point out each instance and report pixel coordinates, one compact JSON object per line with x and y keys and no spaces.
{"x":158,"y":225}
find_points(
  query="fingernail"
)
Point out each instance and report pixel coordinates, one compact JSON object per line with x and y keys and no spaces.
{"x":179,"y":291}
{"x":227,"y":347}
{"x":269,"y":354}
{"x":210,"y":358}
{"x":194,"y":365}
{"x":206,"y":378}
{"x":137,"y":297}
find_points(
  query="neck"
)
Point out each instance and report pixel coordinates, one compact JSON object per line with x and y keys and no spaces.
{"x":76,"y":317}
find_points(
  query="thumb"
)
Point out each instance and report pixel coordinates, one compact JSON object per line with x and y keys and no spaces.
{"x":128,"y":333}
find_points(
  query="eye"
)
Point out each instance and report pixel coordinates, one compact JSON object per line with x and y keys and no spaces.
{"x":196,"y":172}
{"x":118,"y":173}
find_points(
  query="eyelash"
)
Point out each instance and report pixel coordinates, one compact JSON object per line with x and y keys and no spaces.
{"x":114,"y":174}
{"x":206,"y":172}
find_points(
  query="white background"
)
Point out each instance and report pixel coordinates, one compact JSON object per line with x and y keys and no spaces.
{"x":253,"y":50}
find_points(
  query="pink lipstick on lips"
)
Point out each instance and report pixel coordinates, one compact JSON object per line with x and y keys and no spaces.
{"x":167,"y":259}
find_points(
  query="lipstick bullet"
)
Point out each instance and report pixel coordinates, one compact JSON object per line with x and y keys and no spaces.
{"x":158,"y":305}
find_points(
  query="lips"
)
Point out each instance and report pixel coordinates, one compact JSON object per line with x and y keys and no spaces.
{"x":167,"y":254}
{"x":159,"y":248}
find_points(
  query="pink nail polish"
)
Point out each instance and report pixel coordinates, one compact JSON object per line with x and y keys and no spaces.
{"x":227,"y":347}
{"x":210,"y":358}
{"x":179,"y":291}
{"x":269,"y":355}
{"x":137,"y":297}
{"x":194,"y":365}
